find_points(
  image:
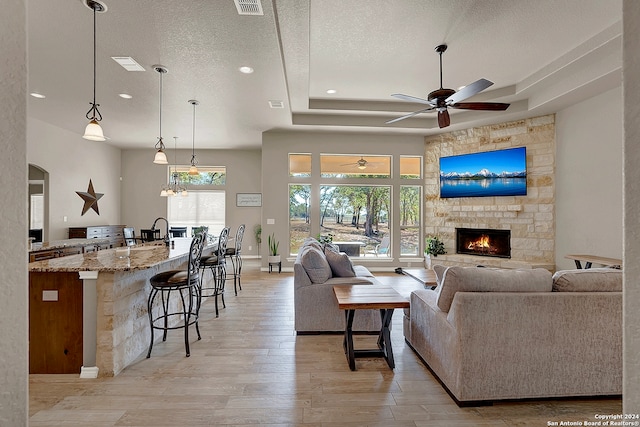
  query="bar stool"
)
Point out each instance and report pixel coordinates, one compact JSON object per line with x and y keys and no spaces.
{"x":215,"y":263}
{"x":187,"y":284}
{"x":236,"y":260}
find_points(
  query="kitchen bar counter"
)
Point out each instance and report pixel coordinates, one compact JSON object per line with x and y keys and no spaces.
{"x":66,"y":243}
{"x":112,"y":319}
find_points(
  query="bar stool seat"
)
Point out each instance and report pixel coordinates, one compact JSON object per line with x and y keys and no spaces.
{"x":187,"y":284}
{"x":216,"y":264}
{"x":234,"y":254}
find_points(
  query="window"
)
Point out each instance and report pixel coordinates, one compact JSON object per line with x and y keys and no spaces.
{"x":207,"y":175}
{"x":366,"y":166}
{"x":299,"y":223}
{"x":200,"y":208}
{"x":410,"y":167}
{"x":410,"y":220}
{"x":356,"y":214}
{"x":300,"y":165}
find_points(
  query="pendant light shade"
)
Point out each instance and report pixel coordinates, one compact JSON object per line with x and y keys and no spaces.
{"x":193,"y":170}
{"x":160,"y":157}
{"x":93,"y":131}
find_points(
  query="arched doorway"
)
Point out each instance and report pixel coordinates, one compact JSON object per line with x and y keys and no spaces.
{"x":38,"y":203}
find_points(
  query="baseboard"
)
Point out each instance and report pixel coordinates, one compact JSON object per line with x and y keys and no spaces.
{"x":89,"y":372}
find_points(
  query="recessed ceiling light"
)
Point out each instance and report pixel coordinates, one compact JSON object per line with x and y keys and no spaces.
{"x":37,"y":95}
{"x":125,"y":95}
{"x":331,"y":91}
{"x":246,"y":70}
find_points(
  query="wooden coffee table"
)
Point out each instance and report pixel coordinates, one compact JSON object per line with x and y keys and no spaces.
{"x":425,"y":276}
{"x":359,"y":297}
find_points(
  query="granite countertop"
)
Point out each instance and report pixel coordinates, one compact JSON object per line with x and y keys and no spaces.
{"x":140,"y":257}
{"x":67,"y":243}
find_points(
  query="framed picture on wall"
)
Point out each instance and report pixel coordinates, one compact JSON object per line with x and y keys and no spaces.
{"x":248,"y":199}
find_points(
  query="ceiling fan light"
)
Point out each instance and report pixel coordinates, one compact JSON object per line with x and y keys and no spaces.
{"x":160,"y":158}
{"x":93,"y":131}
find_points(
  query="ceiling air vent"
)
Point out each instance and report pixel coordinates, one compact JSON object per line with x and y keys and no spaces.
{"x":276,"y":104}
{"x":128,"y":63}
{"x":249,"y":7}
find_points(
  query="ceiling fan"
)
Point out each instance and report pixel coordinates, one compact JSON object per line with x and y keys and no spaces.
{"x":442,"y":99}
{"x":361,"y":164}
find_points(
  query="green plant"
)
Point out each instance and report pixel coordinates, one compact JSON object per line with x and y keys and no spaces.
{"x":324,"y":239}
{"x":434,"y":246}
{"x":257,"y":232}
{"x":273,"y":245}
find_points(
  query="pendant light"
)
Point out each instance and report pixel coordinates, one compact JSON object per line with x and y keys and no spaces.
{"x":193,"y":170}
{"x":174,"y":188}
{"x":93,"y":131}
{"x":161,"y":157}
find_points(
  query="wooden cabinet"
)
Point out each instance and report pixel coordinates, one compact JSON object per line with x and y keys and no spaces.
{"x":112,"y":232}
{"x":55,"y":323}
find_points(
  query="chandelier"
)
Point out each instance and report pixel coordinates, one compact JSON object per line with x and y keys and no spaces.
{"x":174,"y":187}
{"x":160,"y":157}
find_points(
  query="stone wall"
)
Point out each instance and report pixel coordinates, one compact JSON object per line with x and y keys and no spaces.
{"x":530,"y":218}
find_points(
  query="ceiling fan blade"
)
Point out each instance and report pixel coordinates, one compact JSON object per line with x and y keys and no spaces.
{"x":469,"y":90}
{"x":411,"y":98}
{"x":443,"y":118}
{"x":491,"y":106}
{"x":406,"y":116}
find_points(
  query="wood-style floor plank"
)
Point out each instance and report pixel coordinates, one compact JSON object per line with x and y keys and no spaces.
{"x":251,"y":369}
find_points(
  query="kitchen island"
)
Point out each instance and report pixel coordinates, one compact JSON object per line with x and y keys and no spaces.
{"x":95,"y":303}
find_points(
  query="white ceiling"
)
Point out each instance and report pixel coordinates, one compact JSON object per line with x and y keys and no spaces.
{"x":542,"y":55}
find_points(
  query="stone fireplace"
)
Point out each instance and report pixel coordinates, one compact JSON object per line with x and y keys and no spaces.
{"x":530,"y":219}
{"x":483,"y":242}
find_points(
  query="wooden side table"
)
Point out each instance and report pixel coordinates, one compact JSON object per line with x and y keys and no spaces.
{"x":358,"y":297}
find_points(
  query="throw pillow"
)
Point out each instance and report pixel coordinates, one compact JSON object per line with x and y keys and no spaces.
{"x":588,"y":280}
{"x":315,"y":264}
{"x":439,"y":270}
{"x":475,"y":279}
{"x":340,"y":264}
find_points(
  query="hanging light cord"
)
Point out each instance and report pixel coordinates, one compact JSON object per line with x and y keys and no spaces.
{"x":160,"y":144}
{"x":93,"y":113}
{"x":193,"y":143}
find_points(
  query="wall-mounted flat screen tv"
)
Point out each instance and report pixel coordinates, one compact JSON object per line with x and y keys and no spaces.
{"x":491,"y":173}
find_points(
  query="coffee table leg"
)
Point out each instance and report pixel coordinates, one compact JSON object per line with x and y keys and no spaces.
{"x":385,"y":336}
{"x":348,"y":339}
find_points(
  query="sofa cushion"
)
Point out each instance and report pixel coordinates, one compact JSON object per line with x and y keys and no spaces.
{"x":589,"y":280}
{"x":315,"y":264}
{"x":340,"y":264}
{"x":477,"y":279}
{"x":439,"y":270}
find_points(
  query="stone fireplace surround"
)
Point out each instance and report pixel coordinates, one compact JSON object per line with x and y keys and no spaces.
{"x":530,"y":218}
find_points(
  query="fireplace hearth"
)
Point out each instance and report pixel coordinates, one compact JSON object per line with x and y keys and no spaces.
{"x":483,"y":242}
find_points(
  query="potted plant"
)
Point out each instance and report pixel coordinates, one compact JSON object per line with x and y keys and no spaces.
{"x":433,"y":247}
{"x":273,"y":249}
{"x":257,"y":231}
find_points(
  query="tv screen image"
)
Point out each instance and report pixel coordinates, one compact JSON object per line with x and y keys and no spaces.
{"x":490,"y":173}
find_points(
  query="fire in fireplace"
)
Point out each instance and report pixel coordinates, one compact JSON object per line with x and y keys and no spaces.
{"x":483,"y":242}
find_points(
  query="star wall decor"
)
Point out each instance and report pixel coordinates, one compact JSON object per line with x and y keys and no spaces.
{"x":90,"y":198}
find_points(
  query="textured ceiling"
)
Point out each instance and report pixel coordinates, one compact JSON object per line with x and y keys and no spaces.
{"x":541,"y":55}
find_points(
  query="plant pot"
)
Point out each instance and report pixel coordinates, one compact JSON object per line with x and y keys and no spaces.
{"x":274,"y":259}
{"x":427,"y":261}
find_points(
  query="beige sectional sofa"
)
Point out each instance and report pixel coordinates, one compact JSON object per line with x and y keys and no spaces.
{"x":317,"y":269}
{"x":492,"y":334}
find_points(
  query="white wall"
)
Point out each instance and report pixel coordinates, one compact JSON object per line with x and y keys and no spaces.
{"x":589,"y":178}
{"x":142,"y":181}
{"x":14,"y":318}
{"x":631,"y":320}
{"x":71,"y":162}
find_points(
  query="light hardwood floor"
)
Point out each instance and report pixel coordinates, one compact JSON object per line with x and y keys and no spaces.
{"x":250,"y":368}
